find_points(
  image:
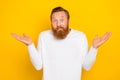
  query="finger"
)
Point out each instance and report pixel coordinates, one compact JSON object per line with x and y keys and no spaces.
{"x":16,"y":36}
{"x":25,"y":35}
{"x":96,"y":37}
{"x":106,"y":36}
{"x":110,"y":33}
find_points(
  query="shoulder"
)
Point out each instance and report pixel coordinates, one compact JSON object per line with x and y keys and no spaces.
{"x":45,"y":33}
{"x":80,"y":36}
{"x":79,"y":33}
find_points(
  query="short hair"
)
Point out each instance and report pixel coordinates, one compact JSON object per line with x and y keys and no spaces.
{"x":58,"y":9}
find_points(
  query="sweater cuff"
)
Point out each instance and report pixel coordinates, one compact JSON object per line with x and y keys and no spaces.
{"x":30,"y":46}
{"x":94,"y":50}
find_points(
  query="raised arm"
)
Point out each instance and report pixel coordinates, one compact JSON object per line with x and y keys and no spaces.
{"x":35,"y":54}
{"x":90,"y":56}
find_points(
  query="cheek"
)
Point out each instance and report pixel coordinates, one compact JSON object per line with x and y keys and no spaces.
{"x":65,"y":24}
{"x":54,"y":25}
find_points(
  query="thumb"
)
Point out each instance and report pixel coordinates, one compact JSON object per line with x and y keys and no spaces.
{"x":25,"y":35}
{"x":96,"y":37}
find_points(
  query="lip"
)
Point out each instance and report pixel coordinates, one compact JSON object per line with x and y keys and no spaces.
{"x":60,"y":28}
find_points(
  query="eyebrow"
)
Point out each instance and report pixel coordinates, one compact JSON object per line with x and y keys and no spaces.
{"x":60,"y":16}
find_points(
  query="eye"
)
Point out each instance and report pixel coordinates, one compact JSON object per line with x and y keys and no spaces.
{"x":54,"y":20}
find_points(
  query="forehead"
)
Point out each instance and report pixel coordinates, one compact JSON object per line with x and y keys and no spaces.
{"x":60,"y":14}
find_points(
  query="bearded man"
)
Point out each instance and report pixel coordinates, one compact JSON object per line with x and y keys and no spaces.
{"x":62,"y":51}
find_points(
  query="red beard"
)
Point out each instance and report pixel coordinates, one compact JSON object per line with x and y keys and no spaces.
{"x":60,"y":32}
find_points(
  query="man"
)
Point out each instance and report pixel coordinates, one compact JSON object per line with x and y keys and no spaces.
{"x":62,"y":52}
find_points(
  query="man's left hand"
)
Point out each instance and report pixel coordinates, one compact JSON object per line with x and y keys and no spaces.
{"x":99,"y":41}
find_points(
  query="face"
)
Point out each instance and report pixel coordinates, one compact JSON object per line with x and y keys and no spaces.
{"x":60,"y":24}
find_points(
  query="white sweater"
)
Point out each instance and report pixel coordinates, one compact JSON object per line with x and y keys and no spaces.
{"x":62,"y":59}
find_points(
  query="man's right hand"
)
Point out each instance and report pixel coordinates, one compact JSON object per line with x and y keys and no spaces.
{"x":25,"y":38}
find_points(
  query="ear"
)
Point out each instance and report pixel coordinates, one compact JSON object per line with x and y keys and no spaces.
{"x":68,"y":21}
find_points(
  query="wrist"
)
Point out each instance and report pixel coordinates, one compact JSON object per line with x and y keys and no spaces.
{"x":29,"y":43}
{"x":95,"y":46}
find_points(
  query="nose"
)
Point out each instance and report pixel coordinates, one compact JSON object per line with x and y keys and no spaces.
{"x":58,"y":24}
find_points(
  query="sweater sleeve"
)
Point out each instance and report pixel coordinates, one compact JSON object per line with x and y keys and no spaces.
{"x":89,"y":56}
{"x":36,"y":54}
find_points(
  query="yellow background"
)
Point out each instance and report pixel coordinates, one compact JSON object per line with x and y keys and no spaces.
{"x":32,"y":16}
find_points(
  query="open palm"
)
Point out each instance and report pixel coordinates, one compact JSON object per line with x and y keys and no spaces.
{"x":99,"y":41}
{"x":25,"y":38}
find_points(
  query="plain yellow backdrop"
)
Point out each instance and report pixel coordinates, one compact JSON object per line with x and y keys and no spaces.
{"x":32,"y":16}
